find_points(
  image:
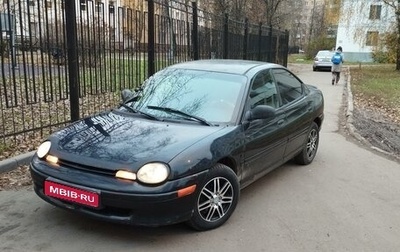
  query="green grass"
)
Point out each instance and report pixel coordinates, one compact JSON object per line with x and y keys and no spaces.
{"x":378,"y":84}
{"x":299,"y":58}
{"x":118,"y":73}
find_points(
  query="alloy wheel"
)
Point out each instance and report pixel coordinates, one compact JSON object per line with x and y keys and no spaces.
{"x":215,"y":199}
{"x":312,"y":143}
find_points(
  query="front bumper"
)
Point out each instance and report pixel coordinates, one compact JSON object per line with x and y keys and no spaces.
{"x":155,"y":207}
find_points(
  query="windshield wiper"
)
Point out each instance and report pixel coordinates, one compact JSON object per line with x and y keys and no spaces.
{"x":139,"y":112}
{"x":175,"y":111}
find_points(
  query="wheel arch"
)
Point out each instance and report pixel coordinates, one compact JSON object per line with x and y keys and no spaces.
{"x":230,"y":162}
{"x":318,"y":121}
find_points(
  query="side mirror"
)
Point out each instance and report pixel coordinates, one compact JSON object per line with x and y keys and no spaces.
{"x":260,"y":112}
{"x":128,"y":96}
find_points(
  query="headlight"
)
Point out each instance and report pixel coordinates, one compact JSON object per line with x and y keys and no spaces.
{"x":43,"y":149}
{"x":153,"y":173}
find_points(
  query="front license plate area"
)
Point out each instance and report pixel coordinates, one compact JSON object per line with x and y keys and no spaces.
{"x":72,"y":194}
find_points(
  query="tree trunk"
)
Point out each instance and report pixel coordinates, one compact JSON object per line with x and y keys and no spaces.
{"x":398,"y":35}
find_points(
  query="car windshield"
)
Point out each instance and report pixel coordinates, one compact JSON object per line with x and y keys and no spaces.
{"x":324,"y":54}
{"x":191,"y":95}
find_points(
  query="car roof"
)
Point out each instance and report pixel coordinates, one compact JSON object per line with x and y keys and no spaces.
{"x":223,"y":65}
{"x":325,"y":51}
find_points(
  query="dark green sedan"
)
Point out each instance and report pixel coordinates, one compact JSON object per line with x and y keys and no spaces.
{"x":181,"y":146}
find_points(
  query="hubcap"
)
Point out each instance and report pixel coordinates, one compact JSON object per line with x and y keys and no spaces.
{"x":312,"y":143}
{"x":215,"y":199}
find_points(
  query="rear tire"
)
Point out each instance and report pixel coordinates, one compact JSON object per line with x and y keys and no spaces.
{"x":216,"y":199}
{"x":306,"y":156}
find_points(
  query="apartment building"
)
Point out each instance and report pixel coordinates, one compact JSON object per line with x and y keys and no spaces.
{"x":33,"y":19}
{"x":361,"y":26}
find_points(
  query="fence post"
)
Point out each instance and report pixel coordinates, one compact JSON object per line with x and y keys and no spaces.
{"x":150,"y":38}
{"x":73,"y":73}
{"x":245,"y":38}
{"x":195,"y":32}
{"x":270,"y":45}
{"x":259,"y":41}
{"x":225,"y":39}
{"x":286,"y":48}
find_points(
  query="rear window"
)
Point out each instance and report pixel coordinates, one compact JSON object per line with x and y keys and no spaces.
{"x":324,"y":54}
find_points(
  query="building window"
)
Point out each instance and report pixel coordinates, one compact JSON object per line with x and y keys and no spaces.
{"x":33,"y":28}
{"x":122,"y":12}
{"x":375,"y":12}
{"x":112,"y":34}
{"x":31,"y":3}
{"x":98,"y":6}
{"x":111,"y":7}
{"x":372,"y":38}
{"x":83,"y":5}
{"x":48,"y":4}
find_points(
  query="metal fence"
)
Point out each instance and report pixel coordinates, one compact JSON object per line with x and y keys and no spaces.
{"x":57,"y":68}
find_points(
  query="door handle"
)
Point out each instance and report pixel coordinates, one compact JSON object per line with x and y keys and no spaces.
{"x":281,"y":122}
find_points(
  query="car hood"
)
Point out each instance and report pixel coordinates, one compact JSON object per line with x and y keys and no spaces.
{"x":113,"y":138}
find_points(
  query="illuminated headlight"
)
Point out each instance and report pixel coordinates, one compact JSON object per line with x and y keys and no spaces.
{"x":125,"y":175}
{"x":43,"y":149}
{"x":153,"y":173}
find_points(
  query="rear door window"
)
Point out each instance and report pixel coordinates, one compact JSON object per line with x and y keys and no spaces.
{"x":290,"y":88}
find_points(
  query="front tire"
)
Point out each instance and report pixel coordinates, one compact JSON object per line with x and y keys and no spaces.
{"x":216,"y":199}
{"x":306,"y":156}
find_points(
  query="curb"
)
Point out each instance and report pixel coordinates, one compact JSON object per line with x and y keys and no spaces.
{"x":14,"y":162}
{"x":349,"y":111}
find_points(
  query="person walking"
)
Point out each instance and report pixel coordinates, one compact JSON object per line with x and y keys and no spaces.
{"x":337,"y":61}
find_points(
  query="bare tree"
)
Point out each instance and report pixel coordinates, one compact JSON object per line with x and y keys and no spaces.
{"x":236,"y":9}
{"x":239,"y":9}
{"x":135,"y":21}
{"x":170,"y":28}
{"x":272,"y":12}
{"x":396,"y":6}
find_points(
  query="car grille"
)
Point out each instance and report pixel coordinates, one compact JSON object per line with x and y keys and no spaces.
{"x":86,"y":168}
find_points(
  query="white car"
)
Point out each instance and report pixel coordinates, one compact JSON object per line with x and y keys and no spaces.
{"x":323,"y":60}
